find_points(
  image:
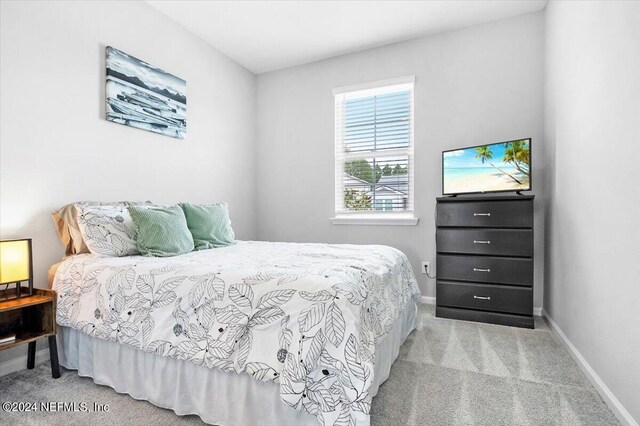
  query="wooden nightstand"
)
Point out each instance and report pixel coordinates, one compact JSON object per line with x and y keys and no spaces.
{"x":31,"y":318}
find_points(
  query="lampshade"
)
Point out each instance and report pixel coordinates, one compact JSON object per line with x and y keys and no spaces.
{"x":15,"y":261}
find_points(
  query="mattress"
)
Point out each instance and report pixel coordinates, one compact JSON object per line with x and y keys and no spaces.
{"x":305,"y":318}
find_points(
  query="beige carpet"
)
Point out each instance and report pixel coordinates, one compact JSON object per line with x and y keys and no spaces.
{"x":463,"y":373}
{"x":448,"y":373}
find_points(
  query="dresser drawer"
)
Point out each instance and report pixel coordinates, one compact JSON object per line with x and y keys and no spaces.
{"x":484,"y":316}
{"x":486,"y":269}
{"x":497,"y":242}
{"x":485,"y":297}
{"x":501,"y":214}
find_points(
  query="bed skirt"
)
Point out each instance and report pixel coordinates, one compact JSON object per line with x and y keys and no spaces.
{"x":218,"y":397}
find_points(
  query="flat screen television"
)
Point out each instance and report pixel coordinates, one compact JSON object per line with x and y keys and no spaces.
{"x":498,"y":167}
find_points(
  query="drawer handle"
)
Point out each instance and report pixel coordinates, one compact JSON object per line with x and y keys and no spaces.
{"x":482,"y":297}
{"x":482,"y":214}
{"x":481,"y":242}
{"x":481,"y":270}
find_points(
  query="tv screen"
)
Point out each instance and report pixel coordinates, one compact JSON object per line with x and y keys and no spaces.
{"x":499,"y":167}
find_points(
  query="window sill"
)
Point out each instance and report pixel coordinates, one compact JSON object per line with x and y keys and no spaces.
{"x":377,"y":221}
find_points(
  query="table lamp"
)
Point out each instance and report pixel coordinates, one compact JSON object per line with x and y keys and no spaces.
{"x":16,"y":265}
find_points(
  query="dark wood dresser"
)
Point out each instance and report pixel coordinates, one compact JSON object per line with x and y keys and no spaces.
{"x":484,"y":264}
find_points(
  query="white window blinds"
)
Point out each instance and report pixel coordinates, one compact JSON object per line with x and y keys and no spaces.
{"x":374,"y":148}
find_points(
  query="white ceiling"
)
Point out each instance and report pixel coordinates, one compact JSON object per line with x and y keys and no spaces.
{"x":269,"y":35}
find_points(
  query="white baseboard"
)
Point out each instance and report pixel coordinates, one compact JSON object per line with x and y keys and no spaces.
{"x":609,"y":398}
{"x":20,"y":363}
{"x":428,"y":300}
{"x":537,"y":310}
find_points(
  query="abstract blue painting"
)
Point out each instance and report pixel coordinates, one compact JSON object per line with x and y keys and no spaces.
{"x":143,"y":96}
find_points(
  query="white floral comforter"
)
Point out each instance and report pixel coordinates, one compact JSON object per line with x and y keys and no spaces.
{"x":306,"y":316}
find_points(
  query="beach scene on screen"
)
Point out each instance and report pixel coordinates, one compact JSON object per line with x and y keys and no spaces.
{"x":502,"y":166}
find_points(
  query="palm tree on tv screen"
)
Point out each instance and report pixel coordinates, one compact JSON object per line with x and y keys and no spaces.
{"x":484,"y":153}
{"x":518,"y":154}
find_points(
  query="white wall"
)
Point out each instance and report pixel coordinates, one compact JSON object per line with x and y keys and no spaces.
{"x":592,"y":124}
{"x":477,"y":85}
{"x":56,"y":146}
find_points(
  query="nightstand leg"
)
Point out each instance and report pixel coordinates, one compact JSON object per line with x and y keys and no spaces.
{"x":31,"y":355}
{"x":53,"y":354}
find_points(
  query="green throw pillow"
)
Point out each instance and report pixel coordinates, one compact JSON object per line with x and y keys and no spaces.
{"x":209,"y":224}
{"x":162,"y":230}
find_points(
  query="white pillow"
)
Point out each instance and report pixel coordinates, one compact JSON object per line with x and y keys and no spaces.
{"x":107,"y":230}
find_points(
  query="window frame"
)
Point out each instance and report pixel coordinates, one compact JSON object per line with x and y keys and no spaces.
{"x":372,"y":217}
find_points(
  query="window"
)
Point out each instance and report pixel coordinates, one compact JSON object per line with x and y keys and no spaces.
{"x":374,"y":152}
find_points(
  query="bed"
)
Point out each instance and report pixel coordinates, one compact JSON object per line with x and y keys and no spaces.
{"x":254,"y":333}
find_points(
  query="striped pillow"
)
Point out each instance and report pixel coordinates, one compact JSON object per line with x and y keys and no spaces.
{"x":162,"y":230}
{"x":209,"y":224}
